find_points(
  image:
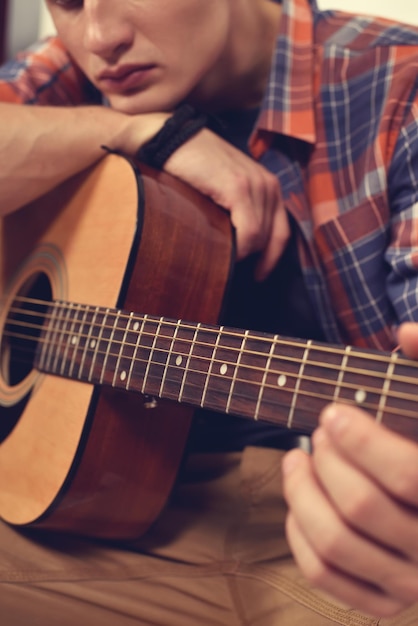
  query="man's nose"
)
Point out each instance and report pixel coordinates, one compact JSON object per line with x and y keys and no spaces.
{"x":106,"y":31}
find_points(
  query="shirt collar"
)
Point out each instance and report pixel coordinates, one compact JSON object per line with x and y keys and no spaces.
{"x":288,"y":102}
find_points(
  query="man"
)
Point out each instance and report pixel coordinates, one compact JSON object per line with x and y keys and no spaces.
{"x":329,"y":105}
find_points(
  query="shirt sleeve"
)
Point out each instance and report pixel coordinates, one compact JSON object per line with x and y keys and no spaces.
{"x":45,"y":75}
{"x":402,"y":252}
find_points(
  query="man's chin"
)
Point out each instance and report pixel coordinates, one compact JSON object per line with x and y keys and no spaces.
{"x":141,"y":102}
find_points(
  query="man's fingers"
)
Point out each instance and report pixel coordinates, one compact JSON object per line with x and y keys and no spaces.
{"x":408,"y":339}
{"x":241,"y":186}
{"x":336,"y":543}
{"x":369,"y":445}
{"x":349,"y":590}
{"x":362,"y":502}
{"x":278,"y":238}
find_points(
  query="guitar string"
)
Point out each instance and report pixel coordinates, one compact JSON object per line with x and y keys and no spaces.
{"x":310,"y":394}
{"x":228,"y":349}
{"x":374,"y":356}
{"x":266,"y":401}
{"x":210,"y":329}
{"x":381,"y":375}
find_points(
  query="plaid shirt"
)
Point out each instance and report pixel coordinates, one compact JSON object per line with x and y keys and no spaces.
{"x":343,"y":100}
{"x":339,"y":128}
{"x":45,"y":75}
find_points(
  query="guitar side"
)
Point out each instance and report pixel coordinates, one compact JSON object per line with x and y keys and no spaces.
{"x":98,"y":461}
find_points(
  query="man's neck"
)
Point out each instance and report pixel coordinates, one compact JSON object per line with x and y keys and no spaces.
{"x":240,"y":78}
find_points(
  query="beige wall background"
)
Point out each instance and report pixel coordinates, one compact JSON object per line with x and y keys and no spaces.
{"x":29,"y":19}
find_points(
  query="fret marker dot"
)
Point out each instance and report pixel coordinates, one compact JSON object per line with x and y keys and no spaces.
{"x":93,"y":343}
{"x":73,"y":340}
{"x":179,"y":360}
{"x":136,"y":326}
{"x":360,"y":396}
{"x":224,"y":369}
{"x":123,"y":376}
{"x":281,"y":381}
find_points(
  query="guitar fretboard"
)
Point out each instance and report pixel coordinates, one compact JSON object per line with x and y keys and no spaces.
{"x":245,"y":373}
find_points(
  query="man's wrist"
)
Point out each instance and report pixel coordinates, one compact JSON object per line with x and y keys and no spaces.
{"x":185,"y":122}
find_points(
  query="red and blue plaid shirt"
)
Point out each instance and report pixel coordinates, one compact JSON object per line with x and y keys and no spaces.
{"x":339,"y":127}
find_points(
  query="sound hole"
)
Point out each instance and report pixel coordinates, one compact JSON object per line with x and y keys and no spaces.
{"x":20,"y":338}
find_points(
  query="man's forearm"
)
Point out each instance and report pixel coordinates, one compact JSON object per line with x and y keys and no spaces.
{"x":42,"y":146}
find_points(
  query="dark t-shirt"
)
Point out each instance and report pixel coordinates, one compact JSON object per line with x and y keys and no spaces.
{"x":278,"y":305}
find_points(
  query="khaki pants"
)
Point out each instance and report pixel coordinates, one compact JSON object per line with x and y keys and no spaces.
{"x":216,"y":556}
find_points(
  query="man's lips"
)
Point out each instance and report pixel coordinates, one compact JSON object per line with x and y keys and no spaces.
{"x":124,"y":78}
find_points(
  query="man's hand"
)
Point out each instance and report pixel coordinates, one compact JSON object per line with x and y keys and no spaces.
{"x":229,"y":177}
{"x":242,"y":186}
{"x":353,"y":508}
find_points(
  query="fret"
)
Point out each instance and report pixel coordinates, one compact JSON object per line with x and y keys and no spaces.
{"x":298,"y":384}
{"x":264,"y":379}
{"x":50,"y":340}
{"x":66,"y":327}
{"x":76,"y":337}
{"x":145,"y":340}
{"x":121,"y":370}
{"x":223,"y":372}
{"x":129,"y":360}
{"x":161,"y":351}
{"x":45,"y":347}
{"x":154,"y":367}
{"x":212,"y":362}
{"x":96,"y":344}
{"x":168,"y":361}
{"x":279,"y":381}
{"x":91,"y":339}
{"x":62,"y":335}
{"x":187,"y":388}
{"x":340,"y":378}
{"x":362,"y":380}
{"x":136,"y":336}
{"x":109,"y":357}
{"x":43,"y":344}
{"x":201,"y":367}
{"x":235,"y":374}
{"x":400,"y":406}
{"x":386,"y":387}
{"x":250,"y":376}
{"x":316,"y":387}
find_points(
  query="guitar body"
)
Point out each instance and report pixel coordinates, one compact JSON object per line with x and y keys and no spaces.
{"x":81,"y":458}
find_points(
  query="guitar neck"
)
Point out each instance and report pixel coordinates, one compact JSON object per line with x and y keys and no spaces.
{"x":249,"y":374}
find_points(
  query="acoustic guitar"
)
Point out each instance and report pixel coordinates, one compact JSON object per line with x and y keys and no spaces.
{"x":112,"y":287}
